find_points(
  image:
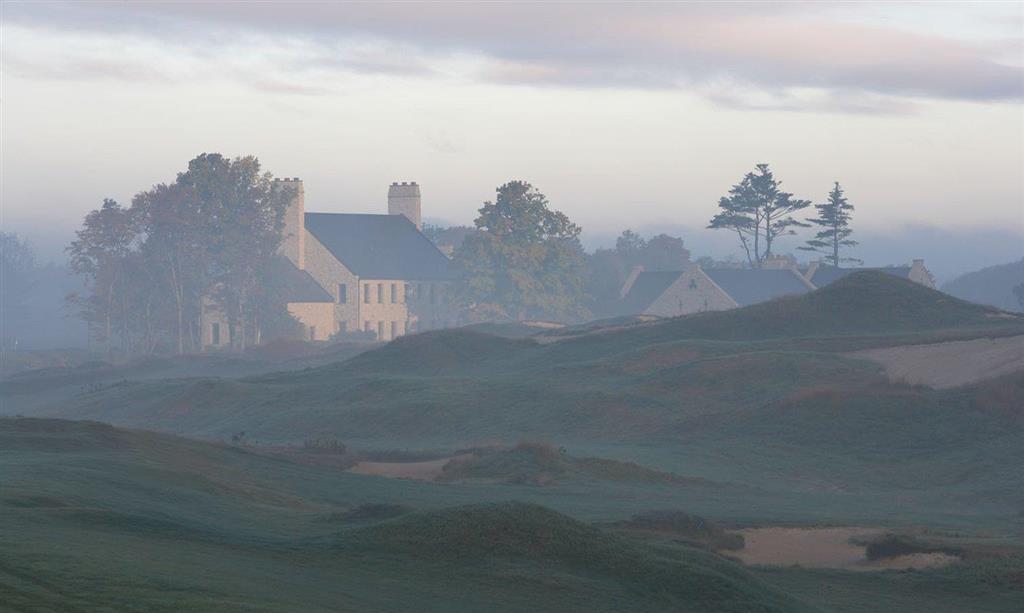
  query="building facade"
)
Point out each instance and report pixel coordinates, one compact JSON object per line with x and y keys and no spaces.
{"x":381,"y":273}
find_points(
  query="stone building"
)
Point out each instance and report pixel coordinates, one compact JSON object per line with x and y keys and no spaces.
{"x":381,"y":273}
{"x":674,"y":293}
{"x":345,"y":272}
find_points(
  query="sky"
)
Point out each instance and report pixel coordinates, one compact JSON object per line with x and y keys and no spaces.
{"x":633,"y":115}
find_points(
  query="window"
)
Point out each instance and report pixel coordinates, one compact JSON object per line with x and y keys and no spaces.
{"x":419,"y":291}
{"x":215,"y":333}
{"x":433,"y":294}
{"x":408,"y":289}
{"x":394,"y":293}
{"x":380,"y":330}
{"x":231,"y":334}
{"x":693,"y":284}
{"x":366,"y":293}
{"x":342,"y":326}
{"x":380,"y":293}
{"x":342,"y":293}
{"x":394,"y":329}
{"x":367,"y":326}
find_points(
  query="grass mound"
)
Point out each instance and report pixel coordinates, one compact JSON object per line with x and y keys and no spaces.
{"x":438,"y":352}
{"x":542,"y":464}
{"x":58,"y":435}
{"x":517,"y":533}
{"x":866,"y":302}
{"x":689,"y":528}
{"x":371,"y":512}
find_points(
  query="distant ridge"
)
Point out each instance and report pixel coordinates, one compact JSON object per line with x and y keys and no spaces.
{"x":992,"y":285}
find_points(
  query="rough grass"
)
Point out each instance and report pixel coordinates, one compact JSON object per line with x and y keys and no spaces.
{"x":682,"y":580}
{"x":163,"y":523}
{"x":690,"y":528}
{"x":535,"y":463}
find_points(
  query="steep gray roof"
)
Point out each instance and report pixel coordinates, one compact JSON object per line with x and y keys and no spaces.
{"x":296,"y":285}
{"x":380,"y":246}
{"x":647,"y":287}
{"x":747,"y":286}
{"x":826,"y":275}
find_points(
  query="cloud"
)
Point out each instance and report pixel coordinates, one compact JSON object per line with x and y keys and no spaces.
{"x":773,"y":50}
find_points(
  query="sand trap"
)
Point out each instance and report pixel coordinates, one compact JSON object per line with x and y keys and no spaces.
{"x":422,"y":471}
{"x":950,"y":364}
{"x":824,"y":548}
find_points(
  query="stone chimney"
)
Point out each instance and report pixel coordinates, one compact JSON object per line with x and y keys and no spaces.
{"x":404,"y":199}
{"x":293,"y":245}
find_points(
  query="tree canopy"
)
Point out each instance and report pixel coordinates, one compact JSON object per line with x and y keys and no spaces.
{"x":525,"y":261}
{"x":759,"y":212}
{"x":204,"y":241}
{"x":834,"y":219}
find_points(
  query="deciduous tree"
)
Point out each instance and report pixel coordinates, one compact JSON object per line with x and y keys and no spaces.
{"x":525,"y":259}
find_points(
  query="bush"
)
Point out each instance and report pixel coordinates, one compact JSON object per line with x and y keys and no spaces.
{"x":324,"y":445}
{"x":894,"y":545}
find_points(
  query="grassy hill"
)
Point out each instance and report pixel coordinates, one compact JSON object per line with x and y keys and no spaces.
{"x":760,"y":410}
{"x":99,"y":518}
{"x":716,"y":396}
{"x":541,"y":464}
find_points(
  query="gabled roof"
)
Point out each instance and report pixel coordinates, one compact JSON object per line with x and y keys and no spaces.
{"x":297,"y":285}
{"x":647,"y":287}
{"x":379,"y":246}
{"x":750,"y":286}
{"x":826,"y":275}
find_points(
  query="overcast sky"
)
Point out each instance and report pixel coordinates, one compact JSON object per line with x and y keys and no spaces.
{"x":635,"y":114}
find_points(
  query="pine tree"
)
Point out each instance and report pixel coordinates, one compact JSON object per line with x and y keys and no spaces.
{"x":834,"y":218}
{"x":759,"y":212}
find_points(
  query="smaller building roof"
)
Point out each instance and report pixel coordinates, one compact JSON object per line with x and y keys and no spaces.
{"x":647,"y":287}
{"x":751,"y":286}
{"x":826,"y":275}
{"x":297,"y":285}
{"x":380,"y":246}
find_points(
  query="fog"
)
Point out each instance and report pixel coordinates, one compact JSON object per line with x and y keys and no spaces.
{"x":328,"y":306}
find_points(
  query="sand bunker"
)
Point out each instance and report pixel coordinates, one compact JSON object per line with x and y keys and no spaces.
{"x":943,"y":365}
{"x":824,"y":548}
{"x":422,"y":471}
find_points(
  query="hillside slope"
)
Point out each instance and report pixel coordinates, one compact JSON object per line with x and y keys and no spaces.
{"x":96,"y":518}
{"x":991,"y":286}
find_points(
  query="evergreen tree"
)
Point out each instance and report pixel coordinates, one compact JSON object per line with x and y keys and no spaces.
{"x":834,"y":217}
{"x":759,"y":212}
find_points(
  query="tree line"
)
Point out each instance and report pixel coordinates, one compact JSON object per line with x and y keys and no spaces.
{"x":205,"y":241}
{"x":208,"y":241}
{"x":522,"y":259}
